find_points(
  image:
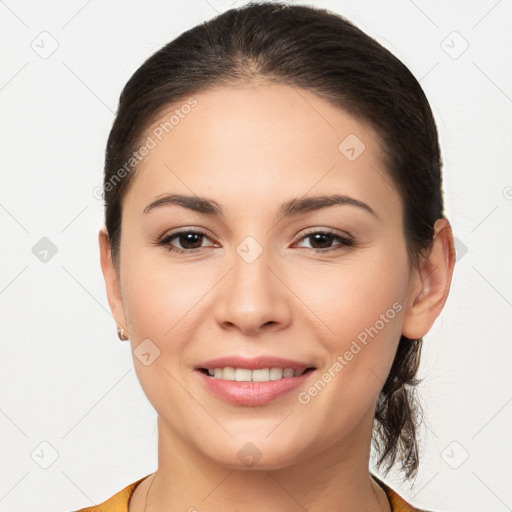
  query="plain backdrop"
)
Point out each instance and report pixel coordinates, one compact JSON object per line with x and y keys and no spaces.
{"x":75,"y":426}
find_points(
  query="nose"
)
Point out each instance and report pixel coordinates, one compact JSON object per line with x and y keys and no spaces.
{"x":253,"y":298}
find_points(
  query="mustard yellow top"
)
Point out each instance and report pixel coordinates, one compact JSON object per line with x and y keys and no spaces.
{"x":119,"y":502}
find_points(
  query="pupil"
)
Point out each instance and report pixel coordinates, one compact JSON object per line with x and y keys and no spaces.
{"x":324,"y":239}
{"x":190,"y":239}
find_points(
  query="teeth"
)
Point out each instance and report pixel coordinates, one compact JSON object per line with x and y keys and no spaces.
{"x":247,"y":375}
{"x":276,"y":373}
{"x":262,"y":375}
{"x":243,"y":375}
{"x":228,"y":373}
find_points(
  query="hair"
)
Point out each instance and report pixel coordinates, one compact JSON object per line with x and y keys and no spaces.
{"x":321,"y":52}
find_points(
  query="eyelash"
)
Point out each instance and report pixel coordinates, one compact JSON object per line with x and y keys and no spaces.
{"x":343,"y":242}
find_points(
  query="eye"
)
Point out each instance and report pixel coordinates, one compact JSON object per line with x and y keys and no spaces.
{"x":322,"y":241}
{"x":187,"y":241}
{"x":190,"y":241}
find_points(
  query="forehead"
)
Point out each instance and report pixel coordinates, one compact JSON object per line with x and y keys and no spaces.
{"x":260,"y":140}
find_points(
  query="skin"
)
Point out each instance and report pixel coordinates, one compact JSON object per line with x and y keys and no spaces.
{"x":250,"y":148}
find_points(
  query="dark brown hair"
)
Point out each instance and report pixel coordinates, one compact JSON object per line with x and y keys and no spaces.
{"x":321,"y":52}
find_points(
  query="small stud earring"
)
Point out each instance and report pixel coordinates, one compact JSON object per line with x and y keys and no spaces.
{"x":121,"y":335}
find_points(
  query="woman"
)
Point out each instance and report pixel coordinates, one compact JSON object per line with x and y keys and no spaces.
{"x":275,"y":249}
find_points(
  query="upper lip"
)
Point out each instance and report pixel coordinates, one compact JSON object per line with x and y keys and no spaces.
{"x":253,"y":363}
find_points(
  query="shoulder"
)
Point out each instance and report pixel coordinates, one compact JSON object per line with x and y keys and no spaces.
{"x":398,"y":504}
{"x":117,"y":503}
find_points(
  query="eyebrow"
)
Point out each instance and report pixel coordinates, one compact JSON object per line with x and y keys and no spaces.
{"x":290,"y":208}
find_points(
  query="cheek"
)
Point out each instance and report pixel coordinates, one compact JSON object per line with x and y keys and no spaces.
{"x":159,"y":298}
{"x":354,"y":294}
{"x":361,"y":304}
{"x":162,"y":304}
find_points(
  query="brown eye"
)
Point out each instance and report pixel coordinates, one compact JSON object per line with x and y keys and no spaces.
{"x":325,"y":241}
{"x":190,"y":240}
{"x":321,"y":240}
{"x":185,"y":241}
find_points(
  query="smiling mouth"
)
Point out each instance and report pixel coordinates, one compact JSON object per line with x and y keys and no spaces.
{"x":230,"y":373}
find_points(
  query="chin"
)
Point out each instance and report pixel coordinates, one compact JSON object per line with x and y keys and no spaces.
{"x":254,"y":454}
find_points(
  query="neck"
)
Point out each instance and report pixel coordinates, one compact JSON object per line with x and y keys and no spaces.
{"x":336,"y":480}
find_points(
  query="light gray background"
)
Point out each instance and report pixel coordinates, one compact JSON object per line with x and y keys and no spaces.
{"x":67,"y":382}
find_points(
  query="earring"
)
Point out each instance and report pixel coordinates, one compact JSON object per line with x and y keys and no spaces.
{"x":121,"y":335}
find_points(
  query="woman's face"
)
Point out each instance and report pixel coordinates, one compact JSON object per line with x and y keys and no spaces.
{"x":275,"y":280}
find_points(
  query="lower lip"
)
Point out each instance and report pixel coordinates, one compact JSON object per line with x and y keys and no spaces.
{"x":252,"y":393}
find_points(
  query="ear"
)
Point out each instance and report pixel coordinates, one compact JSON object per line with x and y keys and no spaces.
{"x":112,"y":280}
{"x":430,"y":283}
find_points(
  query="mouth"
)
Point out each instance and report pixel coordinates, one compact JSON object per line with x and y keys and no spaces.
{"x":257,"y":375}
{"x":252,"y":382}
